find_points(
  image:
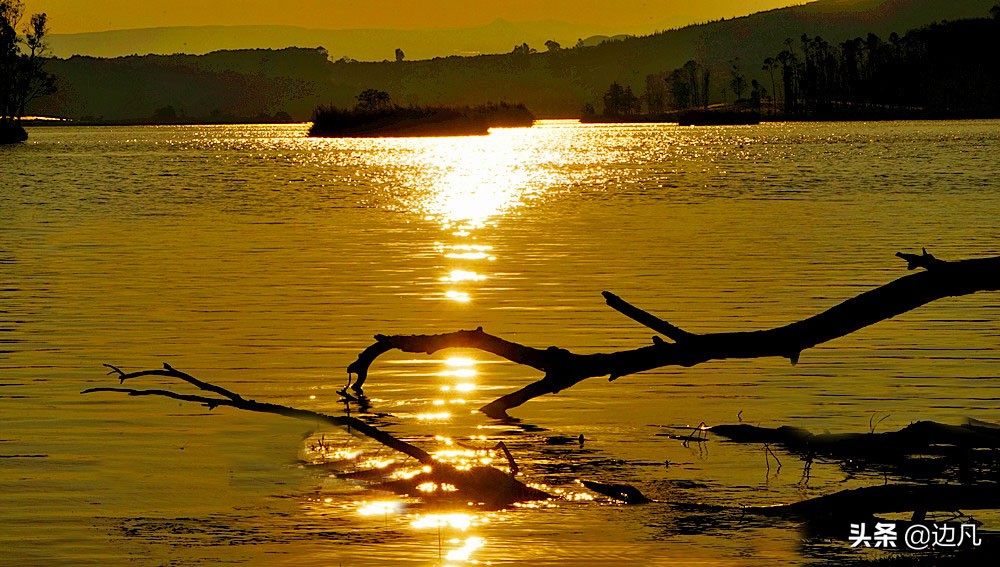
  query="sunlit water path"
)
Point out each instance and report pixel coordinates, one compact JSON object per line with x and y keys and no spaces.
{"x":263,"y":260}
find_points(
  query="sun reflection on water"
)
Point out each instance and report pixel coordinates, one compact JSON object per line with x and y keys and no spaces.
{"x":454,"y":520}
{"x":471,"y":181}
{"x":463,"y":276}
{"x":459,"y":372}
{"x":465,"y":552}
{"x":459,"y":296}
{"x":466,"y":185}
{"x":380,"y":508}
{"x":434,"y":416}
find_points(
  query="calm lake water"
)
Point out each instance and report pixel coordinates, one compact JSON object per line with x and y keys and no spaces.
{"x":262,"y":260}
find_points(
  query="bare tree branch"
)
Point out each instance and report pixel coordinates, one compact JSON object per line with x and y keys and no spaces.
{"x":234,"y":400}
{"x":645,"y":318}
{"x":563,"y":368}
{"x":486,"y":485}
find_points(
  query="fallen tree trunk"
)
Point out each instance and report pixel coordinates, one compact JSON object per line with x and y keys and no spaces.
{"x":488,"y":486}
{"x":563,"y":369}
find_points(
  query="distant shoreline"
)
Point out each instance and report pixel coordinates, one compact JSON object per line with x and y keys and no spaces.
{"x":148,"y":122}
{"x":870,"y":115}
{"x":764,"y":118}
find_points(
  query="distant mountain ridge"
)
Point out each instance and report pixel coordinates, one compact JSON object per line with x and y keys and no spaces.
{"x":500,"y":36}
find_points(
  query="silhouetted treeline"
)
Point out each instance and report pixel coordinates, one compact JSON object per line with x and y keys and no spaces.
{"x":219,"y":87}
{"x":375,"y":115}
{"x":621,"y":101}
{"x":942,"y":70}
{"x":938,"y":71}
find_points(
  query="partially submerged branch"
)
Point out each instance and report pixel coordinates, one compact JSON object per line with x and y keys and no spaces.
{"x":486,"y":485}
{"x":234,"y":400}
{"x":916,"y":440}
{"x":888,"y":499}
{"x":563,"y":369}
{"x":922,"y":437}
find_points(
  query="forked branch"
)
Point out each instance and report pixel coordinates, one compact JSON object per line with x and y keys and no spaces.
{"x":563,"y":368}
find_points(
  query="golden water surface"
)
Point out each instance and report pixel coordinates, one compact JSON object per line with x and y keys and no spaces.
{"x":264,"y":261}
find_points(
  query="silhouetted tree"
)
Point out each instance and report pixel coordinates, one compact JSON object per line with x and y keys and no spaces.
{"x":10,"y":16}
{"x":691,"y":70}
{"x":819,"y":73}
{"x":679,"y":89}
{"x":620,"y":101}
{"x":705,"y":82}
{"x":789,"y":76}
{"x":631,"y":103}
{"x":552,"y":45}
{"x":374,"y":99}
{"x":757,"y":93}
{"x":688,"y":86}
{"x":400,"y":55}
{"x":22,"y":78}
{"x":523,"y":49}
{"x":851,"y":53}
{"x":738,"y":82}
{"x":656,"y":94}
{"x":770,"y":65}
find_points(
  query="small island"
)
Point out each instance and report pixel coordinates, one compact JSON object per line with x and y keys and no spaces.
{"x":375,"y":116}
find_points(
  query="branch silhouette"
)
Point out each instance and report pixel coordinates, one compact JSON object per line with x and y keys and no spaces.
{"x":232,"y":399}
{"x":563,"y":369}
{"x":489,"y":486}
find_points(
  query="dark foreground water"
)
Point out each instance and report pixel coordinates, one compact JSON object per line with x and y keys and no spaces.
{"x":264,"y":261}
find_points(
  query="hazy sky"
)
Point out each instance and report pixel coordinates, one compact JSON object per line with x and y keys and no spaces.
{"x":73,"y":16}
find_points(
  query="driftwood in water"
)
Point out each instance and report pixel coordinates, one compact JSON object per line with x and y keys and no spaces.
{"x":924,"y":450}
{"x":563,"y":369}
{"x":488,"y":486}
{"x":922,"y":437}
{"x":889,"y":499}
{"x":621,"y":492}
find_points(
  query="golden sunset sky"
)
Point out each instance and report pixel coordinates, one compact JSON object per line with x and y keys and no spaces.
{"x":624,"y":16}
